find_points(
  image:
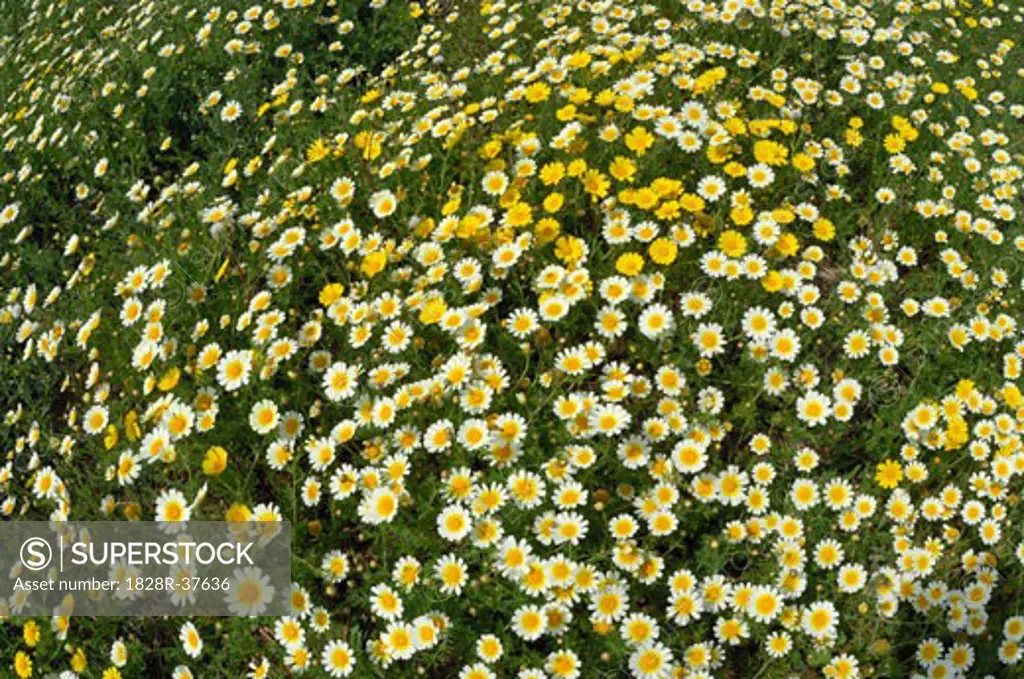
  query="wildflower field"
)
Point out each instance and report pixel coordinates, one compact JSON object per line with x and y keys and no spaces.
{"x":582,"y":338}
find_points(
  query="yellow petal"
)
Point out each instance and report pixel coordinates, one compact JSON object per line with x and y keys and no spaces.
{"x":110,"y":440}
{"x":131,"y":426}
{"x":169,"y":379}
{"x":221,"y":270}
{"x":215,"y":461}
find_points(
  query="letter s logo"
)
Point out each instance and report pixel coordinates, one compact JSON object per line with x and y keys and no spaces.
{"x":36,"y":554}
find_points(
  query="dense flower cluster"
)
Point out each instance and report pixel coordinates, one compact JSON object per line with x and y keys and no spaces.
{"x":669,"y":339}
